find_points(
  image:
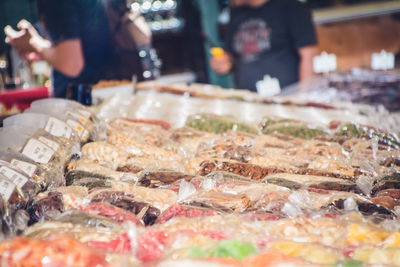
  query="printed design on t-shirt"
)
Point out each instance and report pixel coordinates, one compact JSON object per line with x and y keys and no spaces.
{"x":252,"y":39}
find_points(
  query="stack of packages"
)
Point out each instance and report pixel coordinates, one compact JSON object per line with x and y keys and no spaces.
{"x":216,"y":192}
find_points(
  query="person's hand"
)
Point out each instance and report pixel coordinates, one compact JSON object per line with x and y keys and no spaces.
{"x":23,"y":39}
{"x":221,"y":63}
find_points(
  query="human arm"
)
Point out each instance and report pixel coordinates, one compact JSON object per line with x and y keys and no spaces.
{"x":65,"y":56}
{"x":306,"y":54}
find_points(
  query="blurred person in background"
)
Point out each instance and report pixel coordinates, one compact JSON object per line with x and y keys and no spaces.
{"x":273,"y":37}
{"x":78,"y":43}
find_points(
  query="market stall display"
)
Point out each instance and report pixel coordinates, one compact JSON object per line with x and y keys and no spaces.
{"x":149,"y":186}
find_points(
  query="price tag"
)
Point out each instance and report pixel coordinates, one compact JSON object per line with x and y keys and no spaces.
{"x":26,"y":167}
{"x":53,"y":145}
{"x":17,"y":178}
{"x":324,"y":63}
{"x":77,"y":116}
{"x":268,"y":86}
{"x":37,"y":151}
{"x":76,"y":126}
{"x":382,"y":61}
{"x":6,"y":188}
{"x":58,"y":128}
{"x":84,"y":113}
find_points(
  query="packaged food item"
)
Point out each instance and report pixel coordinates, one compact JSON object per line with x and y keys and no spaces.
{"x":46,"y":208}
{"x":103,"y":152}
{"x":273,"y":258}
{"x":161,"y":178}
{"x":12,"y":194}
{"x":158,"y":197}
{"x":28,"y":186}
{"x":144,"y":211}
{"x":51,"y":124}
{"x":115,"y":214}
{"x":78,"y":217}
{"x":60,"y":251}
{"x":218,"y":124}
{"x":291,"y":127}
{"x":185,"y":211}
{"x":163,"y":124}
{"x":83,"y":234}
{"x":47,"y":175}
{"x":87,"y":179}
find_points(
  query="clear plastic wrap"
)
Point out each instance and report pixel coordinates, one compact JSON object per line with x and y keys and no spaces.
{"x":87,"y":179}
{"x":46,"y":208}
{"x":291,"y":127}
{"x":154,"y":179}
{"x":185,"y":211}
{"x":27,"y":185}
{"x":53,"y":125}
{"x":48,"y":176}
{"x":32,"y":148}
{"x":85,"y":219}
{"x":144,"y":211}
{"x":218,"y":124}
{"x":49,"y":253}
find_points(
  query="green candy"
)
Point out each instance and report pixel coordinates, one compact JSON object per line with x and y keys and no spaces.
{"x":225,"y":249}
{"x":349,"y":263}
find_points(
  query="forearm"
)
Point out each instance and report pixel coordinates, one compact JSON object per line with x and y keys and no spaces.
{"x":60,"y":57}
{"x":306,"y":62}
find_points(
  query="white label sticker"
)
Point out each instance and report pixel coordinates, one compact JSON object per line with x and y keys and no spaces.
{"x":76,"y":126}
{"x":49,"y":142}
{"x":59,"y":128}
{"x":37,"y":151}
{"x":6,"y":188}
{"x":26,"y":167}
{"x":324,"y":63}
{"x":268,"y":86}
{"x":382,"y":61}
{"x":76,"y":116}
{"x":14,"y":176}
{"x":84,"y":113}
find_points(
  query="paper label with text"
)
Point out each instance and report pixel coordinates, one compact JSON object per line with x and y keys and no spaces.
{"x":26,"y":167}
{"x":53,"y":145}
{"x":59,"y":128}
{"x":17,"y":178}
{"x":37,"y":151}
{"x":6,"y":188}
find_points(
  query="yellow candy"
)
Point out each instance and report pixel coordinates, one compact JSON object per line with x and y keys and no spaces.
{"x":358,"y":234}
{"x":217,"y":51}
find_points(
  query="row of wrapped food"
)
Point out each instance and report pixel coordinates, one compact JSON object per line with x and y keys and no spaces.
{"x":79,"y":192}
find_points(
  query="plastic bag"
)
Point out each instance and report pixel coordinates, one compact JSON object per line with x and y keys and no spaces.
{"x":51,"y":124}
{"x":47,"y":176}
{"x":46,"y":208}
{"x":144,"y":211}
{"x":161,"y":178}
{"x":49,"y":253}
{"x":185,"y":211}
{"x":28,"y":186}
{"x":291,"y":127}
{"x":218,"y":124}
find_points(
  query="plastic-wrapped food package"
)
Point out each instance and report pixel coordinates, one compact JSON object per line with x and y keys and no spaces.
{"x":65,"y":148}
{"x":32,"y":148}
{"x":160,"y":198}
{"x":376,"y":255}
{"x":83,"y":234}
{"x":46,"y":175}
{"x":227,"y":202}
{"x":103,"y":152}
{"x":155,"y":179}
{"x":363,"y":131}
{"x":85,"y":219}
{"x":247,"y":170}
{"x":144,"y":133}
{"x":104,"y":169}
{"x":53,"y":125}
{"x":144,"y":211}
{"x":218,"y":124}
{"x":311,"y":252}
{"x":112,"y":212}
{"x":136,"y":149}
{"x":46,"y":208}
{"x":14,"y":197}
{"x":185,"y":211}
{"x":87,"y":179}
{"x":199,"y":263}
{"x":27,"y":185}
{"x":294,"y":182}
{"x":291,"y":127}
{"x":227,"y":151}
{"x":60,"y":251}
{"x":274,"y":258}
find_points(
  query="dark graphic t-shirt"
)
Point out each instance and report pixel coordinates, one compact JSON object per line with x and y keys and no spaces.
{"x":78,"y":19}
{"x":265,"y":40}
